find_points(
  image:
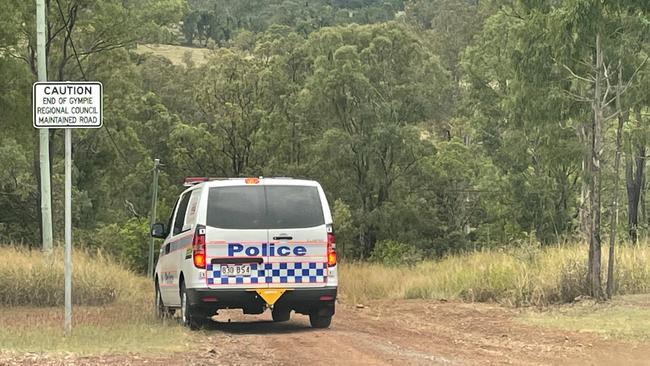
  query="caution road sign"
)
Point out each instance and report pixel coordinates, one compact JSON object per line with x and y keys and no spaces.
{"x":67,"y":104}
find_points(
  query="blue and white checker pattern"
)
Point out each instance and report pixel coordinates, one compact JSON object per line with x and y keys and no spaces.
{"x":271,"y":273}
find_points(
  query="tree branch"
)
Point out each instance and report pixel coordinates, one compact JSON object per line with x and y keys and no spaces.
{"x":578,"y":97}
{"x":591,"y":80}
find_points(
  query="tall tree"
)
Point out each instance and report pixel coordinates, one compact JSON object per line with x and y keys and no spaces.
{"x":371,"y":86}
{"x":232,"y":98}
{"x":524,"y":123}
{"x":613,"y":220}
{"x":603,"y":27}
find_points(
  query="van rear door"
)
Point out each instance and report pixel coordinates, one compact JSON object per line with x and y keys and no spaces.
{"x":235,"y":235}
{"x":297,"y":256}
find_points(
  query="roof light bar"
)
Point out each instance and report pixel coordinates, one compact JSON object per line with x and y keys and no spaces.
{"x":191,"y":181}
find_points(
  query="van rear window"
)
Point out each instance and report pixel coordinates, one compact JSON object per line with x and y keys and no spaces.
{"x":292,"y":207}
{"x":264,"y":207}
{"x":236,"y":207}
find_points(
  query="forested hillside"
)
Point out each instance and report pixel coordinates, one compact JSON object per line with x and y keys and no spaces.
{"x":435,"y":126}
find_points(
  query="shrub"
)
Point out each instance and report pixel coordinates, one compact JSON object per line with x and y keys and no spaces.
{"x":127,"y":242}
{"x":344,"y":230}
{"x":393,"y":253}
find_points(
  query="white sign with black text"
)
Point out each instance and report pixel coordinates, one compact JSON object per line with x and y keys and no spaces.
{"x":67,"y":104}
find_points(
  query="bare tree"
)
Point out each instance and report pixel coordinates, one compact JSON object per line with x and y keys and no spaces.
{"x":603,"y":94}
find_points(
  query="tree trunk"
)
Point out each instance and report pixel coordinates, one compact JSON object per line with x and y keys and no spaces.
{"x":613,"y":219}
{"x":583,"y":210}
{"x":587,"y":212}
{"x":634,"y":174}
{"x":595,"y":181}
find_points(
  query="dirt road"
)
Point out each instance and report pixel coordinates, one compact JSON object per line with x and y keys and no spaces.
{"x":383,"y":333}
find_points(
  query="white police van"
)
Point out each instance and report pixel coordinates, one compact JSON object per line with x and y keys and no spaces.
{"x":250,"y":244}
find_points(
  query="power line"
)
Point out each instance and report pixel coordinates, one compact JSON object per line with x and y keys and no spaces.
{"x":69,"y":33}
{"x":74,"y":49}
{"x":119,"y":151}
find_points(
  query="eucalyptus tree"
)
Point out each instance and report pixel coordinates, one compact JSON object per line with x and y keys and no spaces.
{"x":600,"y":36}
{"x":524,"y":122}
{"x":540,"y":69}
{"x":78,"y":31}
{"x":232,"y":97}
{"x":371,"y":86}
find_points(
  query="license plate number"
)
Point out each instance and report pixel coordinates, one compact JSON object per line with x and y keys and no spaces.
{"x":236,"y":270}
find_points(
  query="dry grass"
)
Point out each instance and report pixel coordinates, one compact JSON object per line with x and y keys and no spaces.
{"x":30,"y":278}
{"x":515,"y":278}
{"x":124,"y":321}
{"x":114,"y":311}
{"x":176,"y":54}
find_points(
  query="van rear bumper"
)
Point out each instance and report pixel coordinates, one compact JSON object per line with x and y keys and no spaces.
{"x":302,"y":300}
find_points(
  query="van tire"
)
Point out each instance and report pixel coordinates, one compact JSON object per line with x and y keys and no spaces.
{"x":320,"y":321}
{"x":161,"y":310}
{"x":189,"y":317}
{"x":281,"y":314}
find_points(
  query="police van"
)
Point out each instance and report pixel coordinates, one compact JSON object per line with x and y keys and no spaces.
{"x":250,"y":244}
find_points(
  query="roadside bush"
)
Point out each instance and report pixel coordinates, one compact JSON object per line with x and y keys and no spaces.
{"x":394,"y":253}
{"x":127,"y":243}
{"x":344,"y":230}
{"x":31,"y":278}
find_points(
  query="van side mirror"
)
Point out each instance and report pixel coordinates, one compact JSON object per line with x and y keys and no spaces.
{"x":158,"y":231}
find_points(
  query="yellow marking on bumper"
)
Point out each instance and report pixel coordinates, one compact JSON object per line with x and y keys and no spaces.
{"x":270,"y":295}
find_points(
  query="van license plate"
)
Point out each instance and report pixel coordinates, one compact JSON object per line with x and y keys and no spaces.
{"x":236,"y":270}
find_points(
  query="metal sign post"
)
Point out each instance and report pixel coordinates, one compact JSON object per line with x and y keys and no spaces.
{"x":154,"y":199}
{"x":67,"y":105}
{"x":67,"y":326}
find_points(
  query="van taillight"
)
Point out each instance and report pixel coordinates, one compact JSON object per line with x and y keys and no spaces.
{"x":331,"y":247}
{"x":198,"y":247}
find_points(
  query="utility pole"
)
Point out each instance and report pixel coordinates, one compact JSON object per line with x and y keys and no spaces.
{"x":67,"y":324}
{"x":154,"y":200}
{"x":44,"y":134}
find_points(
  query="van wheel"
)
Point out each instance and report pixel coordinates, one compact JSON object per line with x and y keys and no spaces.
{"x":189,"y":318}
{"x":162,"y":311}
{"x":160,"y":307}
{"x":320,"y":321}
{"x":281,"y":314}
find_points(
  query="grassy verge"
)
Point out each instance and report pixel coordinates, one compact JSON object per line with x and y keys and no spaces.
{"x":114,"y":306}
{"x":625,"y":318}
{"x":515,"y":278}
{"x":106,"y":329}
{"x":113,"y":312}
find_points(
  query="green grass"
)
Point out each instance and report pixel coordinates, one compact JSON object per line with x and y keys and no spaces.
{"x":533,"y":276}
{"x":143,"y":337}
{"x":113,"y":311}
{"x":625,"y":318}
{"x":122,"y":327}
